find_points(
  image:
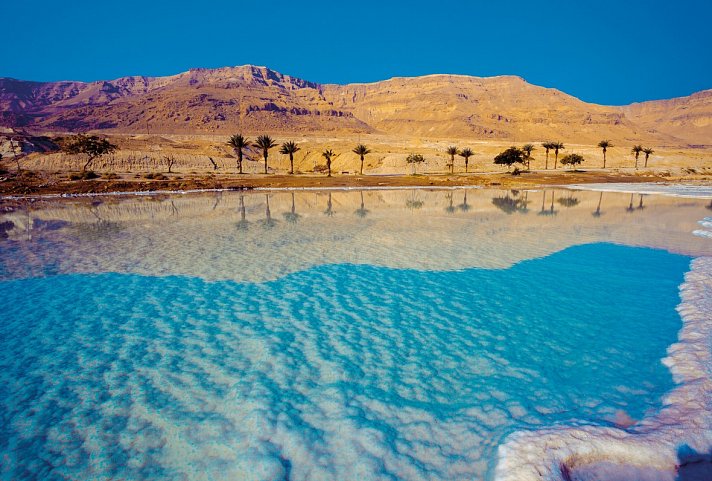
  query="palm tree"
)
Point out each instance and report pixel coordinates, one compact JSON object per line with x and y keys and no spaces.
{"x":289,"y":148}
{"x":361,"y":150}
{"x":604,"y":145}
{"x":466,"y":153}
{"x":328,"y":155}
{"x":648,"y":152}
{"x":636,"y":150}
{"x":452,"y":152}
{"x":557,"y":146}
{"x":264,"y":143}
{"x":238,"y":142}
{"x":528,"y":149}
{"x":547,"y":146}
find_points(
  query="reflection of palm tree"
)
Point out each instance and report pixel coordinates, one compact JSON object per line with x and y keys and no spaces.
{"x":450,"y":208}
{"x":524,"y":203}
{"x":361,"y":211}
{"x":709,"y":206}
{"x":268,"y":221}
{"x":597,"y":212}
{"x":464,"y":206}
{"x":640,"y":205}
{"x":243,"y":223}
{"x":630,"y":207}
{"x":292,"y":217}
{"x":549,"y":211}
{"x":414,"y":202}
{"x":329,"y":207}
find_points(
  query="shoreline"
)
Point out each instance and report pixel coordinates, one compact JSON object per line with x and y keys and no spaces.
{"x":41,"y":184}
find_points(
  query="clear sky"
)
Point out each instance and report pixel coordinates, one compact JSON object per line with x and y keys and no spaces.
{"x":610,"y":52}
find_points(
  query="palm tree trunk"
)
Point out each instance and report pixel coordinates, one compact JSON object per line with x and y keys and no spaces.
{"x":636,"y":161}
{"x":265,"y":162}
{"x":556,"y":158}
{"x":361,"y":171}
{"x":546,"y":166}
{"x":646,"y":161}
{"x":291,"y":163}
{"x":604,"y":159}
{"x":466,"y":162}
{"x":89,"y":161}
{"x":239,"y":161}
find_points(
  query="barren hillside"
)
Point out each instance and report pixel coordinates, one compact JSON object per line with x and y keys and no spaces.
{"x":251,"y":98}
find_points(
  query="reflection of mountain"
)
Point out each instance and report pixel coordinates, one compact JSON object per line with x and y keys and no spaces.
{"x":222,"y":237}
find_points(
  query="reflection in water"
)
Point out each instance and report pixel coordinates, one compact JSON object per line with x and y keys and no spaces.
{"x":450,"y":209}
{"x":550,"y":211}
{"x":464,"y":207}
{"x":568,"y":201}
{"x":414,"y":203}
{"x":630,"y":207}
{"x":506,"y":204}
{"x":362,"y":211}
{"x":268,"y":222}
{"x":597,"y":212}
{"x":640,"y":204}
{"x":292,"y":217}
{"x":124,"y":234}
{"x":329,"y":212}
{"x":5,"y":227}
{"x":243,"y":223}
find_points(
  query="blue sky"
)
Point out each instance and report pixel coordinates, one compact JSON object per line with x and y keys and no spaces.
{"x":610,"y":52}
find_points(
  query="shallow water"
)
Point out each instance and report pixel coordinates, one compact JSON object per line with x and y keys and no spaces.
{"x":394,"y":335}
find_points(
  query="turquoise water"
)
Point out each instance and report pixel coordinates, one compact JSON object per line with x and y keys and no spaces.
{"x":337,"y":371}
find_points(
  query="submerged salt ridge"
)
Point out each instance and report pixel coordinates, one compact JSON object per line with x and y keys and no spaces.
{"x":653,"y":448}
{"x":338,"y":372}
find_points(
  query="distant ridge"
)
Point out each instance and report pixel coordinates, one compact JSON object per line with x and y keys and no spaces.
{"x":252,"y":98}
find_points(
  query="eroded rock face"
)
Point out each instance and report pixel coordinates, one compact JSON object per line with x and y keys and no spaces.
{"x":255,"y":98}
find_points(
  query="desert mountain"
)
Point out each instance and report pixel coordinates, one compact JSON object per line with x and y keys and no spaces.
{"x":254,"y":99}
